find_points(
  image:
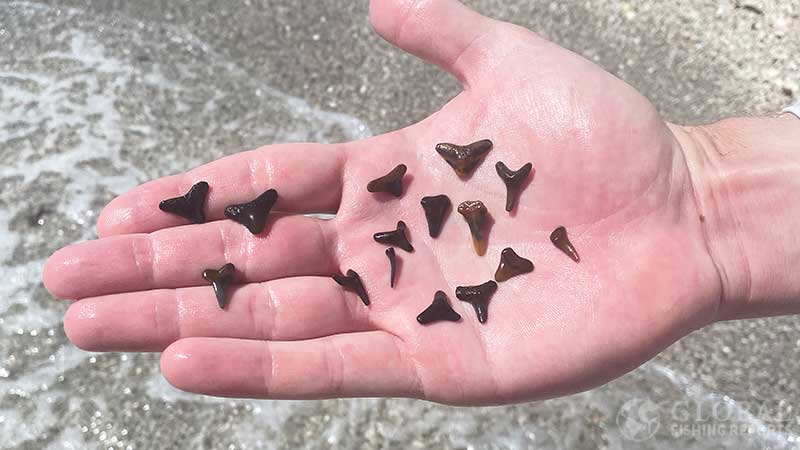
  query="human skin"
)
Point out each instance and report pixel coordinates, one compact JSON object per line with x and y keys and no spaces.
{"x":677,"y":227}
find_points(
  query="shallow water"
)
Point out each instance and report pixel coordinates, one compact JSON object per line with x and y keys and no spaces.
{"x":92,"y":105}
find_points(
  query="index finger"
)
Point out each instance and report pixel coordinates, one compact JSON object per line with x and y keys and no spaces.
{"x":308,"y":178}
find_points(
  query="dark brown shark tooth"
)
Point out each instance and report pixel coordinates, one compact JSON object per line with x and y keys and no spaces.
{"x":190,"y":205}
{"x":392,"y":265}
{"x":392,"y":182}
{"x":436,"y":208}
{"x":559,"y":238}
{"x":464,"y":158}
{"x":439,"y":310}
{"x":511,"y":265}
{"x":478,"y":296}
{"x":220,"y":280}
{"x":253,"y":214}
{"x":477,"y":217}
{"x":352,"y":282}
{"x":395,"y":237}
{"x":513,"y":179}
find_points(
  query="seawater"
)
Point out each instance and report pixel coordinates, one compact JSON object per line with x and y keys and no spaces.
{"x":91,"y":106}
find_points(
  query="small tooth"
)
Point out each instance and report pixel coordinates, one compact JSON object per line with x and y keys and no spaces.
{"x":478,"y":296}
{"x":436,"y":208}
{"x":220,"y":280}
{"x":559,"y":238}
{"x":392,"y":182}
{"x":396,"y":237}
{"x":511,"y":265}
{"x":477,"y":217}
{"x":513,"y":179}
{"x":352,"y":282}
{"x":253,"y":214}
{"x":464,"y":158}
{"x":190,"y":205}
{"x":392,"y":265}
{"x":439,"y":310}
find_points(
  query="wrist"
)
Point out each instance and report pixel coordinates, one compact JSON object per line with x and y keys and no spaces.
{"x":746,"y":178}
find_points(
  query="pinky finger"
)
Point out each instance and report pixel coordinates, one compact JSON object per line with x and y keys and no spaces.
{"x":363,"y":364}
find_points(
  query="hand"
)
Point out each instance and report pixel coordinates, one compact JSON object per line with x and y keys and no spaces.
{"x":607,"y":167}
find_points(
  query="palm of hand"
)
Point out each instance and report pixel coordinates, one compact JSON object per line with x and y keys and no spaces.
{"x":607,"y":168}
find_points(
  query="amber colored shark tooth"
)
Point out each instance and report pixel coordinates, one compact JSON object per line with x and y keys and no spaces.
{"x":390,"y":253}
{"x":439,"y":310}
{"x":513,"y":179}
{"x":352,"y":282}
{"x":464,"y":158}
{"x":392,"y":182}
{"x":220,"y":280}
{"x":253,"y":214}
{"x":190,"y":205}
{"x":477,"y":217}
{"x":436,"y":208}
{"x":478,"y":296}
{"x":511,"y":265}
{"x":395,"y":237}
{"x":559,"y":238}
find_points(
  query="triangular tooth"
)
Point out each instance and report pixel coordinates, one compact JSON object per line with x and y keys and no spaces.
{"x":513,"y":179}
{"x":220,"y":280}
{"x":190,"y":205}
{"x":396,"y":237}
{"x":392,"y":182}
{"x":478,"y":296}
{"x":352,"y":282}
{"x":438,"y":310}
{"x":253,"y":214}
{"x":436,"y":208}
{"x":511,"y":265}
{"x":464,"y":158}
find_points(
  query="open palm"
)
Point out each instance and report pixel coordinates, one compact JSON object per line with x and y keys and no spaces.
{"x":606,"y":167}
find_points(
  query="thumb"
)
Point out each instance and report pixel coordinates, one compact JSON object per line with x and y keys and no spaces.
{"x":443,"y":32}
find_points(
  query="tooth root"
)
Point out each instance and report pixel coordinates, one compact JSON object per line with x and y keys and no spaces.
{"x":253,"y":214}
{"x":511,"y":265}
{"x":436,"y":208}
{"x":559,"y":238}
{"x":190,"y":205}
{"x":392,"y":182}
{"x":396,"y":237}
{"x":464,"y":158}
{"x":220,"y":280}
{"x":352,"y":282}
{"x":513,"y":179}
{"x":478,"y":296}
{"x":477,"y":217}
{"x":439,"y":310}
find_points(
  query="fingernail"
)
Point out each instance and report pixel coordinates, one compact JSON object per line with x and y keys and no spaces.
{"x":478,"y":297}
{"x":392,"y":182}
{"x":477,"y":217}
{"x":513,"y":181}
{"x":395,"y":237}
{"x":511,"y":265}
{"x":439,"y":310}
{"x":190,"y":205}
{"x":253,"y":214}
{"x":464,"y":158}
{"x":220,"y":280}
{"x":559,"y":238}
{"x":353,"y":282}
